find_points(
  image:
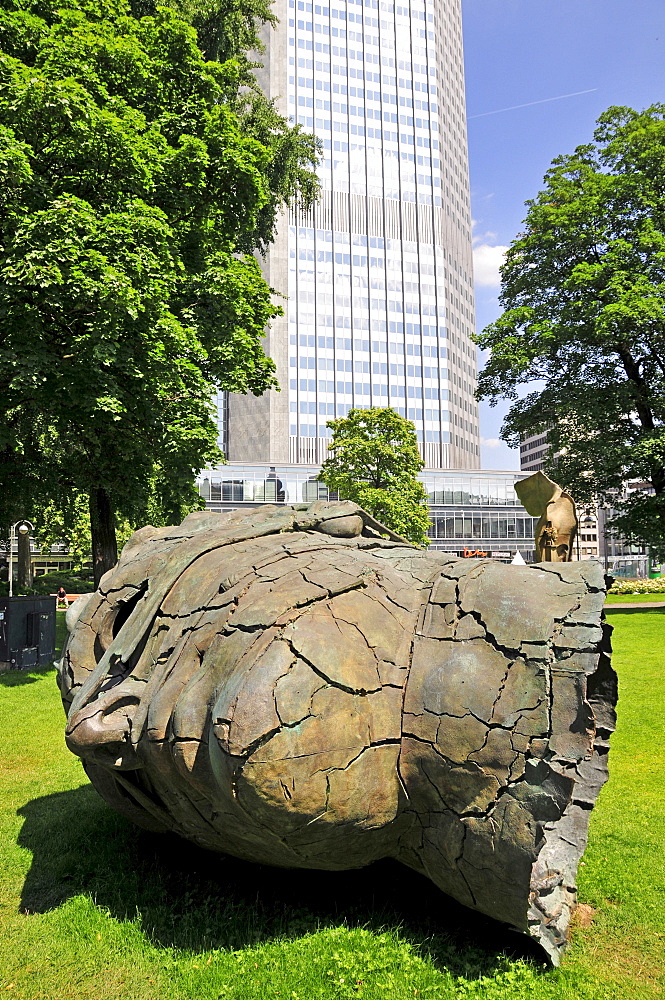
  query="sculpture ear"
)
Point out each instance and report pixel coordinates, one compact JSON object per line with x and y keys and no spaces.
{"x":536,"y":492}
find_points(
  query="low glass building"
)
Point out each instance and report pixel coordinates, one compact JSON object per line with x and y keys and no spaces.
{"x":474,"y":513}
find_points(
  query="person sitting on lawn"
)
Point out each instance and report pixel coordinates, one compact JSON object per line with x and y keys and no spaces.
{"x":61,"y":598}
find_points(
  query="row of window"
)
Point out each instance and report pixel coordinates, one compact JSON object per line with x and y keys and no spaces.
{"x":281,"y":489}
{"x":413,"y":329}
{"x":396,"y":261}
{"x":321,"y":431}
{"x":365,"y":389}
{"x":324,"y":319}
{"x":307,"y":285}
{"x":345,"y":344}
{"x":388,"y":80}
{"x":344,"y":303}
{"x":349,"y":128}
{"x":536,"y":443}
{"x":360,"y":55}
{"x":376,"y":133}
{"x":482,"y":526}
{"x":354,"y":322}
{"x":309,"y":292}
{"x":401,"y":247}
{"x":356,"y":74}
{"x":387,"y":62}
{"x":358,"y":239}
{"x":376,"y":95}
{"x":344,"y":15}
{"x":378,"y":368}
{"x":298,"y":485}
{"x":328,"y":409}
{"x":360,"y":110}
{"x":382,"y":97}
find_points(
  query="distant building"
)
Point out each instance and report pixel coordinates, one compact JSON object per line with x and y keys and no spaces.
{"x":594,"y":540}
{"x":474,"y":513}
{"x":590,"y":537}
{"x":379,"y":276}
{"x":533,"y":449}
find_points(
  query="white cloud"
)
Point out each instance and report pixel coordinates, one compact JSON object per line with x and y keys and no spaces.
{"x":491,"y":442}
{"x":487,"y":260}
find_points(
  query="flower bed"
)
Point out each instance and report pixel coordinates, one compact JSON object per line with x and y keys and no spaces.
{"x":656,"y":586}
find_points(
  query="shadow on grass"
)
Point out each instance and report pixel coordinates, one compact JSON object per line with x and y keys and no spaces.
{"x":636,"y":608}
{"x":195,"y":900}
{"x":16,"y":678}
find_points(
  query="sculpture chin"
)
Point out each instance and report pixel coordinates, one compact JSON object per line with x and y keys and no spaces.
{"x":300,"y":687}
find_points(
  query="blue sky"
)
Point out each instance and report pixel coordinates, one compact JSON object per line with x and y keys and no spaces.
{"x":521,"y":51}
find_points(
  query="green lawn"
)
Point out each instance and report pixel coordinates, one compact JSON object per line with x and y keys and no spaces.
{"x":635,"y":598}
{"x":92,"y":908}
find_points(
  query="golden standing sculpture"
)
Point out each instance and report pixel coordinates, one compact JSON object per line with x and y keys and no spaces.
{"x":557,"y":528}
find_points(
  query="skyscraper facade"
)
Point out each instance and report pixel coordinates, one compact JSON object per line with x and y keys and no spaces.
{"x":377,"y":277}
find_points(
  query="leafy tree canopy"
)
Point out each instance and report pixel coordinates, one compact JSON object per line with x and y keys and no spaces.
{"x":374,"y":461}
{"x":583,"y":289}
{"x":137,"y":180}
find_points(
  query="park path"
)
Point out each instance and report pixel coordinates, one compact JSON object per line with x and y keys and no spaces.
{"x":635,"y":605}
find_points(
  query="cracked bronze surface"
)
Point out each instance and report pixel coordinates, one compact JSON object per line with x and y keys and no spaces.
{"x":290,"y":687}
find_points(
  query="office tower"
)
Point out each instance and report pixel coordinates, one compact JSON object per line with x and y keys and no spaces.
{"x":379,"y":273}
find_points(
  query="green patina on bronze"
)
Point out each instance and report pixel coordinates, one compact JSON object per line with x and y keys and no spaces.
{"x":298,"y":686}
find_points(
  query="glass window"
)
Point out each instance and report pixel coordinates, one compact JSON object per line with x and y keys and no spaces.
{"x":233,"y":489}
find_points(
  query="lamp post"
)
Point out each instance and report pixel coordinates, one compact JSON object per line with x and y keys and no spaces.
{"x":602,"y":511}
{"x":588,"y":521}
{"x":18,"y":530}
{"x":607,"y":512}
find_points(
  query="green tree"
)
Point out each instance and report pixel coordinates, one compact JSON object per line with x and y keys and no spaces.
{"x":137,"y":181}
{"x":374,"y":461}
{"x":583,"y":289}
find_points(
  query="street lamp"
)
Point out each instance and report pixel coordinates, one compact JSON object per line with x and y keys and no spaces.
{"x":19,"y":528}
{"x":607,"y":508}
{"x":586,"y":522}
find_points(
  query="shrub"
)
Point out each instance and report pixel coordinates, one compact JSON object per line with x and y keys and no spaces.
{"x":49,"y":583}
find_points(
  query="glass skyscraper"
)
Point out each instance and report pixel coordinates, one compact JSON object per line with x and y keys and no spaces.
{"x":378,"y":276}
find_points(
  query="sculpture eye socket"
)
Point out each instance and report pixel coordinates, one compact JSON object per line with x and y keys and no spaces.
{"x":126,"y":609}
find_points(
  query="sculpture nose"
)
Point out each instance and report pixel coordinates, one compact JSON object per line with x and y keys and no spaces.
{"x":100,"y":732}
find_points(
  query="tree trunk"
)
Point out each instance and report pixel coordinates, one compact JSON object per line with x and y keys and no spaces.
{"x":102,"y":528}
{"x":24,"y":564}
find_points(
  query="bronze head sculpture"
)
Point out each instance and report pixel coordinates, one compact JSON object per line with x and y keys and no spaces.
{"x":296,"y":686}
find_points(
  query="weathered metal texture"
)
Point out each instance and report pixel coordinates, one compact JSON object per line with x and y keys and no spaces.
{"x":287,"y":686}
{"x":556,"y":531}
